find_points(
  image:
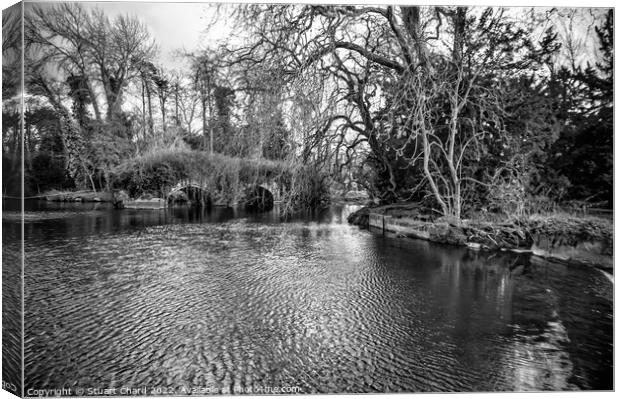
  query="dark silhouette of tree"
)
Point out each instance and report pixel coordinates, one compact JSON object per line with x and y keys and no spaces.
{"x":584,"y":152}
{"x":224,"y":99}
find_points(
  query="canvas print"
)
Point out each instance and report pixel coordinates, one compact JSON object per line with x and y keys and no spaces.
{"x":240,"y":198}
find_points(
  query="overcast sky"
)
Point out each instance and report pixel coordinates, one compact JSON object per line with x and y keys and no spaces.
{"x":177,"y":25}
{"x":173,"y":25}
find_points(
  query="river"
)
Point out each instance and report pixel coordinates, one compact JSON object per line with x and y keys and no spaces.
{"x":181,"y":299}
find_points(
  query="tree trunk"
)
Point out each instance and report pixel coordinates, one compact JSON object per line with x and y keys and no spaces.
{"x":162,"y":102}
{"x":143,"y":112}
{"x":28,"y":146}
{"x":111,"y":100}
{"x":150,"y":104}
{"x":16,"y":140}
{"x":90,"y":175}
{"x":411,"y":20}
{"x":209,"y":100}
{"x":176,"y":105}
{"x":211,"y":138}
{"x":204,"y":121}
{"x":459,"y":34}
{"x":429,"y":175}
{"x":91,"y":92}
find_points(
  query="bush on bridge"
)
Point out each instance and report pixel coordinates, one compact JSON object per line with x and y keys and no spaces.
{"x":157,"y":171}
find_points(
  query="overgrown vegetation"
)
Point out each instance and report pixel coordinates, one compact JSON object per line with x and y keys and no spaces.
{"x":462,"y":110}
{"x":157,"y":171}
{"x":228,"y":179}
{"x":517,"y":232}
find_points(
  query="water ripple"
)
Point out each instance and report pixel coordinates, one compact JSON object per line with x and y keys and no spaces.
{"x":325,"y":307}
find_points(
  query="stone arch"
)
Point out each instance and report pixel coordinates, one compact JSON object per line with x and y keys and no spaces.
{"x":259,"y":198}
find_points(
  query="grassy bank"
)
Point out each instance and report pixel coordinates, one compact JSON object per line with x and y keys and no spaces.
{"x":558,"y":236}
{"x":77,"y":196}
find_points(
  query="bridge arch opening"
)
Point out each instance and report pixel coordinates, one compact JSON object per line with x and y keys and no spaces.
{"x":191,"y":195}
{"x":259,"y":199}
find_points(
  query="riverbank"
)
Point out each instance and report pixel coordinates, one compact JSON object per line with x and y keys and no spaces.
{"x":77,"y":196}
{"x":103,"y":196}
{"x":559,"y":237}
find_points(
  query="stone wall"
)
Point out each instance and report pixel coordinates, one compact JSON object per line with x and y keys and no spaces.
{"x":560,"y":246}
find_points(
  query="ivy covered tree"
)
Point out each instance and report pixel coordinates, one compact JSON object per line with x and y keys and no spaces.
{"x":223,"y":97}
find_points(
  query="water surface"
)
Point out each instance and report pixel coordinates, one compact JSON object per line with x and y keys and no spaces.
{"x":182,"y":299}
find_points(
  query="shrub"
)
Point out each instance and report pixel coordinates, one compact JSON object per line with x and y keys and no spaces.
{"x":508,"y":197}
{"x":159,"y":169}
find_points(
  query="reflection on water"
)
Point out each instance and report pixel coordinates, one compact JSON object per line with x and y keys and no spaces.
{"x":231,"y":300}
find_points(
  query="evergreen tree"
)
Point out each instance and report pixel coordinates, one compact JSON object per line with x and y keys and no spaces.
{"x":584,"y":153}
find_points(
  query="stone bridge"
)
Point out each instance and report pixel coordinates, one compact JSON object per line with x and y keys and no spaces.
{"x":258,"y":195}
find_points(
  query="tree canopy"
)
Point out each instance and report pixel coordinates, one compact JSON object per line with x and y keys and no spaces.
{"x":458,"y":108}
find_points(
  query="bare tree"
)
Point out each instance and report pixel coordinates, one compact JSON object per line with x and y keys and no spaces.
{"x":69,"y":48}
{"x":147,"y":74}
{"x":108,"y":52}
{"x":205,"y":74}
{"x":415,"y":85}
{"x":188,"y":102}
{"x":162,"y":87}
